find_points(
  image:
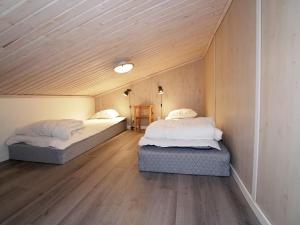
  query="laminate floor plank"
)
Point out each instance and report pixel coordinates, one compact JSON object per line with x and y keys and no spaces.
{"x":105,"y":187}
{"x":161,"y":203}
{"x":87,"y":208}
{"x":88,"y":211}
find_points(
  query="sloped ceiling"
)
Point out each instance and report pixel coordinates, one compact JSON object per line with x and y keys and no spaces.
{"x":69,"y":47}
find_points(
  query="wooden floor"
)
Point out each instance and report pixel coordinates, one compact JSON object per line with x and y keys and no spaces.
{"x":104,"y":186}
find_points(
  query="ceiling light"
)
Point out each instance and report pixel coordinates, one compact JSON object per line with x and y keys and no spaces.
{"x":123,"y":67}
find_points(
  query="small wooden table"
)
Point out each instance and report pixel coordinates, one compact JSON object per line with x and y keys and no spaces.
{"x":142,"y":112}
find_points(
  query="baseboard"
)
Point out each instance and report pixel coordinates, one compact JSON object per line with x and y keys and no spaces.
{"x":256,"y":209}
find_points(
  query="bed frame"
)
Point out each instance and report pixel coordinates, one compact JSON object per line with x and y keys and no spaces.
{"x":184,"y":160}
{"x":52,"y":155}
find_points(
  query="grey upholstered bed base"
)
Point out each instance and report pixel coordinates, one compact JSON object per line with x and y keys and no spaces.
{"x":31,"y":153}
{"x":180,"y":160}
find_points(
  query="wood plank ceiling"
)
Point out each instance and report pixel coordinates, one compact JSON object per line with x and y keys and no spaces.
{"x":69,"y":47}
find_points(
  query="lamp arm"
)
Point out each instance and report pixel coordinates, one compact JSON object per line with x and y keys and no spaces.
{"x":161,"y":106}
{"x":130,"y":113}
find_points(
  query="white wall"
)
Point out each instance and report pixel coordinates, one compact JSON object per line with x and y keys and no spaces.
{"x":19,"y":111}
{"x":278,"y":181}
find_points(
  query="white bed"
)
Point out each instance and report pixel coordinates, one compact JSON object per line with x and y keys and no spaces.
{"x":91,"y":127}
{"x":57,"y":151}
{"x":184,"y":146}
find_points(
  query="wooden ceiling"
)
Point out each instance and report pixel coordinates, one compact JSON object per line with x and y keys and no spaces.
{"x":69,"y":47}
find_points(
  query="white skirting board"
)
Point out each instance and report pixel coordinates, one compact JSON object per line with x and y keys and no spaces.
{"x":256,"y":209}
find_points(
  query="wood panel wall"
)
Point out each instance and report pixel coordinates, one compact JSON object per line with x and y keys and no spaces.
{"x":278,"y":182}
{"x":210,"y":81}
{"x":234,"y":63}
{"x":183,"y":87}
{"x":279,"y":167}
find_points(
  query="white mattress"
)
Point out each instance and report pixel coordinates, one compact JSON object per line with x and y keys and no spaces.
{"x":200,"y":143}
{"x":91,"y":127}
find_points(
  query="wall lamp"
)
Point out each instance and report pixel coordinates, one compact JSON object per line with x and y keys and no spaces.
{"x":126,"y":93}
{"x":160,"y":91}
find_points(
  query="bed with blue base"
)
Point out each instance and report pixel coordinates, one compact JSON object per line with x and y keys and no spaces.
{"x":25,"y":152}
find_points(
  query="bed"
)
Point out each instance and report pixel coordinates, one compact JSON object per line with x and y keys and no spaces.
{"x":190,"y":145}
{"x":95,"y":132}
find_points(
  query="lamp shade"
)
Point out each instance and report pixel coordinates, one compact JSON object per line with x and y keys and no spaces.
{"x":126,"y":93}
{"x":123,"y":68}
{"x":160,"y":90}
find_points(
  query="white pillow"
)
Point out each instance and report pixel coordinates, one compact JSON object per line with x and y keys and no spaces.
{"x":106,"y":114}
{"x":181,"y":114}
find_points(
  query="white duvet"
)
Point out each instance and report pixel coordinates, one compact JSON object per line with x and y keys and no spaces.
{"x":189,"y":132}
{"x":90,"y":127}
{"x":189,"y":128}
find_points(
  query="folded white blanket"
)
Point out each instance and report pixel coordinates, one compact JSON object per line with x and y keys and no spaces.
{"x":61,"y":129}
{"x":91,"y":127}
{"x":184,"y":129}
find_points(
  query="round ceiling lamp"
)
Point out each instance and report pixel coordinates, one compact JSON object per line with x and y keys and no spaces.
{"x":123,"y":67}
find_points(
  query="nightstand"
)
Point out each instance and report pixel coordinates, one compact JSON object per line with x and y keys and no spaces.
{"x":142,"y":112}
